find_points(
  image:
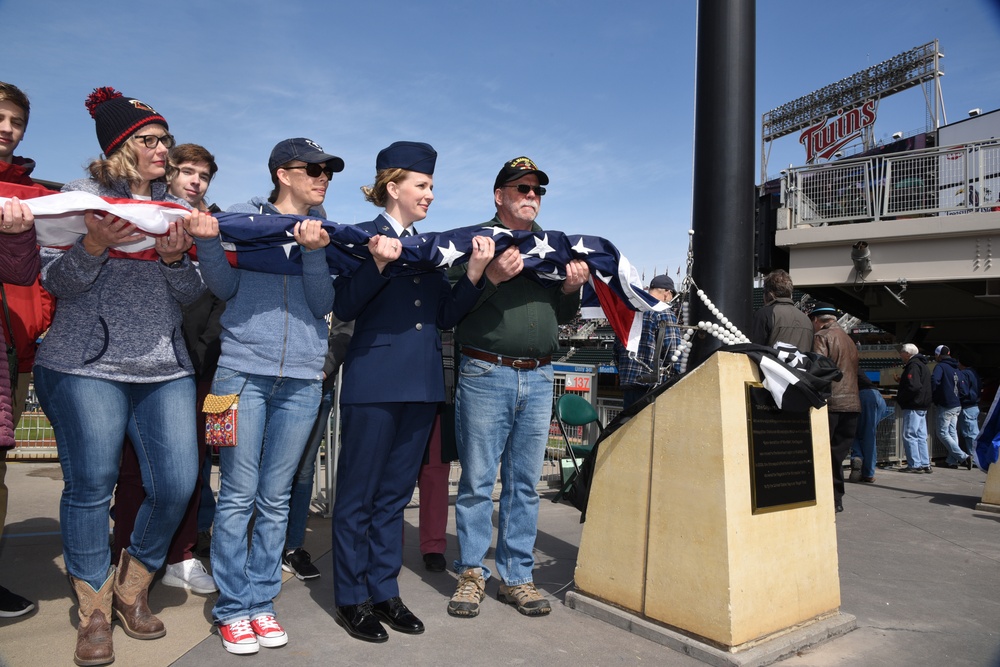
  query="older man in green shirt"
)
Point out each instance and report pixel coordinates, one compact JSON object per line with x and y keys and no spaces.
{"x":504,"y":403}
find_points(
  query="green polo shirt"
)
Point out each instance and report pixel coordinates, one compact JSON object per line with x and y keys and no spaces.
{"x":519,"y":317}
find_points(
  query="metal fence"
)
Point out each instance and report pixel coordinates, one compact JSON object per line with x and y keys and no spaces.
{"x":947,"y":180}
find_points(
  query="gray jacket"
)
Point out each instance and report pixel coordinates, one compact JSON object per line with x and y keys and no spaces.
{"x":116,"y":319}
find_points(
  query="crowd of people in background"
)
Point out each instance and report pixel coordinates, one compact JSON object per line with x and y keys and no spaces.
{"x":856,"y":405}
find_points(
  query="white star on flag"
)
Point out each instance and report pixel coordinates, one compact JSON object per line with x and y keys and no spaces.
{"x":449,"y":254}
{"x":542,"y":247}
{"x":287,"y":247}
{"x":501,"y":230}
{"x":582,"y":249}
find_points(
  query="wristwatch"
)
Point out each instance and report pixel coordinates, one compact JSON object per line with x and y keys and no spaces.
{"x":173,"y":265}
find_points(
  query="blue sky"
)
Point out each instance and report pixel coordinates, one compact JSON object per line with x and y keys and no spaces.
{"x":599,"y":94}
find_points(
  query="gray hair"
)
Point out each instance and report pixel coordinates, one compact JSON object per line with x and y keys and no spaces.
{"x":909,"y":348}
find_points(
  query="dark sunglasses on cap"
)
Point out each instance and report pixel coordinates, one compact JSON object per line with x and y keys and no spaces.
{"x":524,"y":188}
{"x":314,"y":170}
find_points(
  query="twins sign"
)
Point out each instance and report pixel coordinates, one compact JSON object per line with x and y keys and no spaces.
{"x":826,"y":138}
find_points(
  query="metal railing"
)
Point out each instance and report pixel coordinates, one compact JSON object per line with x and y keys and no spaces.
{"x":947,"y":180}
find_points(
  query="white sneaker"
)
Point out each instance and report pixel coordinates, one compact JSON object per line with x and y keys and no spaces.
{"x":190,"y":575}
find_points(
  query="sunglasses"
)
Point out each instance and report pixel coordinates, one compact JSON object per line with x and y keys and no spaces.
{"x":314,"y":170}
{"x":524,"y":188}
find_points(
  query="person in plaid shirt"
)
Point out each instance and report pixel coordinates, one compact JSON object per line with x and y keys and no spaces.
{"x":640,"y":372}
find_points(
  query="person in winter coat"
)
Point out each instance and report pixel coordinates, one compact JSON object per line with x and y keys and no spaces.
{"x":944,"y":390}
{"x":19,"y":266}
{"x":914,"y":399}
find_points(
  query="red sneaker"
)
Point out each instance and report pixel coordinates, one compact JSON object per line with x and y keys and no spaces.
{"x":269,"y":632}
{"x":239,"y":638}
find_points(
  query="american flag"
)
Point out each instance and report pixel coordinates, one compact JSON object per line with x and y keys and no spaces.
{"x":260,"y":242}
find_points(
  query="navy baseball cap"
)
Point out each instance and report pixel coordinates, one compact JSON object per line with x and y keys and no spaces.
{"x":516,"y":168}
{"x":822,"y":308}
{"x":408,"y":155}
{"x":303,"y":149}
{"x":662,"y":282}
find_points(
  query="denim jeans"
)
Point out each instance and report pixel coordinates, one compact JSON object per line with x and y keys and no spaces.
{"x":274,"y":418}
{"x":914,"y":425}
{"x":302,"y":485}
{"x":969,"y":428}
{"x":947,"y":432}
{"x":873,"y":411}
{"x":502,"y":417}
{"x":206,"y":506}
{"x":90,"y":418}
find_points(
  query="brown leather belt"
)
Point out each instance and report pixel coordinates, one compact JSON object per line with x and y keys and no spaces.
{"x":514,"y":362}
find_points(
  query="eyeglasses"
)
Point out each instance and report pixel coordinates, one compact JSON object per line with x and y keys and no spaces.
{"x":314,"y":170}
{"x":524,"y":188}
{"x":150,"y":140}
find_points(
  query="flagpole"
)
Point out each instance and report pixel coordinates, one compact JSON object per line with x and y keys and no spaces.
{"x":723,"y":187}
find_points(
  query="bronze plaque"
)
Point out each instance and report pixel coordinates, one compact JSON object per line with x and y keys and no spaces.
{"x":782,"y":474}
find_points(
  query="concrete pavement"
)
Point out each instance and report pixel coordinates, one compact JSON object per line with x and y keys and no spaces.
{"x":919,"y":568}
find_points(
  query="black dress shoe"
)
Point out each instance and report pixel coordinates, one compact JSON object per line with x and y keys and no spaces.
{"x":360,"y":622}
{"x":398,"y":617}
{"x":839,"y":506}
{"x":435,"y":562}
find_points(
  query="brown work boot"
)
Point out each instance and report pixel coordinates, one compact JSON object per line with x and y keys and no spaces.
{"x":93,"y":637}
{"x":131,"y":588}
{"x":526,"y":598}
{"x":470,"y":592}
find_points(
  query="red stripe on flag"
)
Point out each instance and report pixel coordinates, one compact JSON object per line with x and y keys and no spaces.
{"x":619,"y":315}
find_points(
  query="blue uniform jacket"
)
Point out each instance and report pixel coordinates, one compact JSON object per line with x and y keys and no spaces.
{"x":395,"y":353}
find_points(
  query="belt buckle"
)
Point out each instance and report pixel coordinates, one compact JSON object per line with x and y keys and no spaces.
{"x":526,"y":364}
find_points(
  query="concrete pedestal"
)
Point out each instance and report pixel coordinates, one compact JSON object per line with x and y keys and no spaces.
{"x":991,"y":490}
{"x":671,"y":535}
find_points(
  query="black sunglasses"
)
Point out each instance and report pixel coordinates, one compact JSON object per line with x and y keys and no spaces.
{"x":524,"y":188}
{"x":314,"y":170}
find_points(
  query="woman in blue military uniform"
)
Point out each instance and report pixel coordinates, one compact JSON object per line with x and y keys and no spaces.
{"x":391,"y":387}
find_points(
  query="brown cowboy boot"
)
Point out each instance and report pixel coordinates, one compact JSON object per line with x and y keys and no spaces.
{"x":131,"y":588}
{"x":93,"y":637}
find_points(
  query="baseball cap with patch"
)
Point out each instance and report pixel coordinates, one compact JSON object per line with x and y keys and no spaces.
{"x":516,"y":168}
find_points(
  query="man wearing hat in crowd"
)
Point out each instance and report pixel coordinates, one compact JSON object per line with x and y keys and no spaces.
{"x":504,"y":402}
{"x":638,"y":372}
{"x":944,"y":390}
{"x":392,"y":385}
{"x":844,"y":406}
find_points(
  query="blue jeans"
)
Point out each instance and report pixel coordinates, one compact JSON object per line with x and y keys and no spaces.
{"x":873,"y":411}
{"x":947,"y":432}
{"x":969,"y":428}
{"x":502,"y":416}
{"x":206,"y":507}
{"x":298,"y":506}
{"x":914,"y":425}
{"x":274,"y":418}
{"x":90,"y":418}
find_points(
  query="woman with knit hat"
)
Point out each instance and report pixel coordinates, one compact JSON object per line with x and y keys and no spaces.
{"x":114,"y":364}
